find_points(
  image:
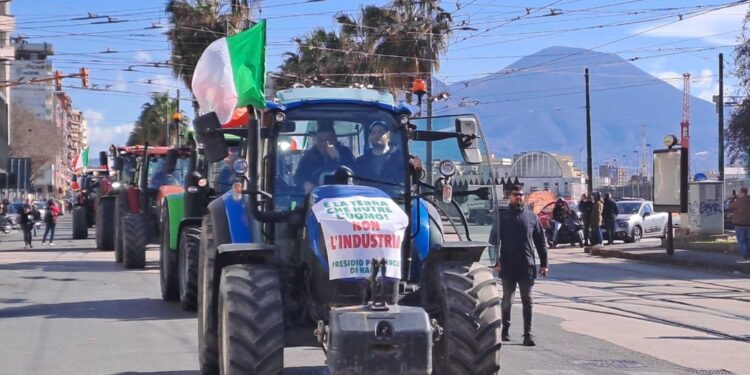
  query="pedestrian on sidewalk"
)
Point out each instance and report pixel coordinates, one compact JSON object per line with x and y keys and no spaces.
{"x":741,"y":220}
{"x":519,"y":231}
{"x":50,"y":222}
{"x":609,"y":215}
{"x":585,"y":205}
{"x":27,"y":223}
{"x":596,"y":219}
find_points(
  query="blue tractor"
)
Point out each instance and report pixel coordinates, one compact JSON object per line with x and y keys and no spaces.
{"x":343,"y":218}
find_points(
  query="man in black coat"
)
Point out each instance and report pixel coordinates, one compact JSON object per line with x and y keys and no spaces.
{"x":515,"y":235}
{"x":326,"y":153}
{"x":609,"y":214}
{"x":585,"y":205}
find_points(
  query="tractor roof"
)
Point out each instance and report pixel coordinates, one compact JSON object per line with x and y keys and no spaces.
{"x":296,"y":97}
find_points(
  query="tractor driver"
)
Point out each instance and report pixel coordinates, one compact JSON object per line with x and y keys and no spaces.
{"x":382,"y":162}
{"x":164,"y":175}
{"x":326,"y":154}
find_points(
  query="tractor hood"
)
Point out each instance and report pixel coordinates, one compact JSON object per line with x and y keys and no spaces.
{"x":350,"y":225}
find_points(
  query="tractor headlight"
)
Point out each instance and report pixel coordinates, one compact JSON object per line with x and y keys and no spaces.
{"x":202,"y":182}
{"x":240,"y":166}
{"x":447,"y":168}
{"x":403,"y":119}
{"x":279,"y":117}
{"x":116,"y":185}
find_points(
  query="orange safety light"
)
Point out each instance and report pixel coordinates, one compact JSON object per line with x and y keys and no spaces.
{"x":58,"y":80}
{"x":177,"y":116}
{"x":419,"y":86}
{"x":84,"y":77}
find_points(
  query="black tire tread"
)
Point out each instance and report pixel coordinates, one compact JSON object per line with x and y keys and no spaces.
{"x":80,"y":224}
{"x":208,"y":346}
{"x":168,"y":263}
{"x":250,"y":301}
{"x":471,"y":320}
{"x":134,"y":246}
{"x":105,"y":231}
{"x":121,"y":209}
{"x":190,"y":237}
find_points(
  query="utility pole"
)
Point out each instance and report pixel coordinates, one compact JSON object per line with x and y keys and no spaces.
{"x":428,"y":123}
{"x":589,"y":163}
{"x":179,"y":123}
{"x":720,"y":109}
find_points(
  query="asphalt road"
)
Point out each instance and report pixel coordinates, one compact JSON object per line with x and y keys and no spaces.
{"x":70,"y":309}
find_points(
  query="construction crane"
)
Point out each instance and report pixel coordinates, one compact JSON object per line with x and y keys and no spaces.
{"x":685,"y":124}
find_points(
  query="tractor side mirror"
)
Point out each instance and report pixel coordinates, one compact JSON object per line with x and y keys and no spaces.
{"x":483,"y":193}
{"x":207,"y":131}
{"x":287,"y":127}
{"x":468,"y":140}
{"x":119,"y":163}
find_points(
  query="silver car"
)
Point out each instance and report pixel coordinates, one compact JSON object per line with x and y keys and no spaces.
{"x":637,"y":220}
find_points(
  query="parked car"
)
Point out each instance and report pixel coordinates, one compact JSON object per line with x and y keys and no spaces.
{"x":637,"y":220}
{"x":14,"y":213}
{"x":41,"y":206}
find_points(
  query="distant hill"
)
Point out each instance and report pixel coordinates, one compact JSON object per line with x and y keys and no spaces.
{"x":537,"y":103}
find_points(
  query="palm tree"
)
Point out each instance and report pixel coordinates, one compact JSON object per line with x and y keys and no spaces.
{"x":152,"y":123}
{"x":197,"y":23}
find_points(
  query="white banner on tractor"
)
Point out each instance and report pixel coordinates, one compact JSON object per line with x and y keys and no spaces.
{"x":356,"y":230}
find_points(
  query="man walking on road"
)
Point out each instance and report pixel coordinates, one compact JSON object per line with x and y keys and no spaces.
{"x":27,"y":223}
{"x":50,"y":221}
{"x":518,"y":231}
{"x":741,"y":220}
{"x":585,"y":205}
{"x":609,"y":215}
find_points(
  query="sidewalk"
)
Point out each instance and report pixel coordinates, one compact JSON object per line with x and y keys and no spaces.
{"x":654,"y":253}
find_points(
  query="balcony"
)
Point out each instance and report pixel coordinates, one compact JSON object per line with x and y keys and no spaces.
{"x":7,"y":24}
{"x":7,"y":53}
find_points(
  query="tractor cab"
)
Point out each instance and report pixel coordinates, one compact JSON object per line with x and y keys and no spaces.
{"x":351,"y":211}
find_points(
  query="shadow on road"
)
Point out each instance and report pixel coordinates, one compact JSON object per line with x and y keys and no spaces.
{"x":74,"y":266}
{"x":119,"y":309}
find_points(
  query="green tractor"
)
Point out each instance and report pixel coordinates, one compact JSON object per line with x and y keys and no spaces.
{"x":364,"y":253}
{"x":181,"y":216}
{"x":157,"y":173}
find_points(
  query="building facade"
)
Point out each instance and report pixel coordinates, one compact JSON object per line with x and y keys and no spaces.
{"x":7,"y":55}
{"x":542,"y":171}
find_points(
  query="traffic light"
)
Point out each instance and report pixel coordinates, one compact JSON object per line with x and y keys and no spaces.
{"x":84,"y":77}
{"x":58,"y":80}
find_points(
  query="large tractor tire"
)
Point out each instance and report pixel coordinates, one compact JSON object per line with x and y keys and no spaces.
{"x":168,"y":268}
{"x":134,"y":245}
{"x":208,"y":346}
{"x":469,"y":303}
{"x":190,"y":237}
{"x":105,"y":225}
{"x":251,"y":321}
{"x":80,"y":226}
{"x":121,"y":208}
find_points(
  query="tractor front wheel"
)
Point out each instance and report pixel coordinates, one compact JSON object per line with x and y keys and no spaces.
{"x":105,"y":235}
{"x":167,"y":263}
{"x":80,"y":225}
{"x":190,"y":237}
{"x":469,"y":303}
{"x":208,"y":346}
{"x":251,"y":322}
{"x":121,"y":209}
{"x":134,"y":245}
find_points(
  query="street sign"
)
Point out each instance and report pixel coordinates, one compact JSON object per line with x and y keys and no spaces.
{"x":670,"y":180}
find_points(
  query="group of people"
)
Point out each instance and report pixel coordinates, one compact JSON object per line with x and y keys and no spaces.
{"x":30,"y":215}
{"x":596,"y":210}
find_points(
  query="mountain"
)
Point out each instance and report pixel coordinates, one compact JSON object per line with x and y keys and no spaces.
{"x":538,"y":103}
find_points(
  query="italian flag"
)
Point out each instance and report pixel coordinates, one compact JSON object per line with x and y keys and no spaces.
{"x":82,"y":160}
{"x":231,"y":73}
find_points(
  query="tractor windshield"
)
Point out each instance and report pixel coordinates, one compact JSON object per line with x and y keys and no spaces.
{"x":327,"y":137}
{"x":479,"y":213}
{"x":220,"y":173}
{"x":159,"y":173}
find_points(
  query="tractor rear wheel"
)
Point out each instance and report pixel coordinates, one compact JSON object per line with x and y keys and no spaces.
{"x":168,"y":269}
{"x":105,"y":235}
{"x":208,"y":346}
{"x":190,"y":237}
{"x":251,"y":321}
{"x":469,"y":303}
{"x":134,"y":245}
{"x":80,"y":226}
{"x":121,"y":208}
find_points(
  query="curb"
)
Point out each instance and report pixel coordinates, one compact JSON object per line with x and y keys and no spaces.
{"x":676,"y":260}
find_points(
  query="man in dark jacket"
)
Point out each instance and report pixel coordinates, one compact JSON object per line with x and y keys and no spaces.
{"x":27,"y":223}
{"x":326,"y":153}
{"x":741,"y":220}
{"x":609,"y":215}
{"x":382,"y":161}
{"x":518,"y":232}
{"x":585,"y":205}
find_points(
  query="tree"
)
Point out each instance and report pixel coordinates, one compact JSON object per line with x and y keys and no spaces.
{"x":35,"y":138}
{"x":386,"y":46}
{"x":152,"y":123}
{"x":738,"y":132}
{"x":197,"y":23}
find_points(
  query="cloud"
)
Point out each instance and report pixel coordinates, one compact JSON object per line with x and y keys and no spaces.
{"x":93,"y":117}
{"x":708,"y":93}
{"x":703,"y":85}
{"x":143,"y":56}
{"x":701,"y":153}
{"x":100,"y":137}
{"x":718,"y":27}
{"x":671,"y":77}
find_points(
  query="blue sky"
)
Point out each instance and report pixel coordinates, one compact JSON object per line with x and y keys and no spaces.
{"x":665,"y":38}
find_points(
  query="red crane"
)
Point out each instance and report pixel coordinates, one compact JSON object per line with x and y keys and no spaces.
{"x":685,"y":124}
